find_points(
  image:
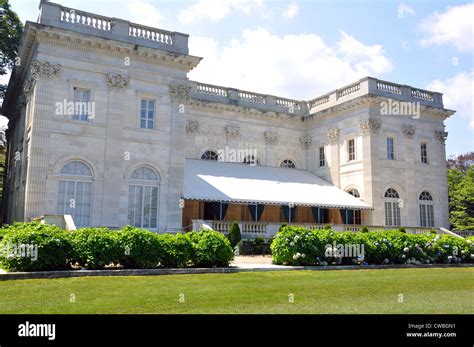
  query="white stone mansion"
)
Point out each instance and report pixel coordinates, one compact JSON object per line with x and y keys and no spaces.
{"x":105,"y":126}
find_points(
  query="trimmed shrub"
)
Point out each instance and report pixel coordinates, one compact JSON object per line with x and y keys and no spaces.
{"x":364,"y":230}
{"x":96,"y":247}
{"x":176,"y":250}
{"x":234,"y":234}
{"x":298,"y":246}
{"x":34,"y":247}
{"x":139,"y":248}
{"x":210,"y":248}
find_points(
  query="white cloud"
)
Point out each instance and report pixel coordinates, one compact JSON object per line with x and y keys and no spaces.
{"x":454,"y":27}
{"x":458,"y":94}
{"x":291,"y":11}
{"x":216,"y":10}
{"x":145,"y":13}
{"x":298,"y":66}
{"x":404,"y":10}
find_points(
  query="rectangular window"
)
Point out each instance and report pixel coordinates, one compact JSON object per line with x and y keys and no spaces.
{"x":82,"y":99}
{"x":147,"y":114}
{"x":143,"y":206}
{"x":74,"y":198}
{"x":351,"y":150}
{"x":424,"y":153}
{"x":322,"y":157}
{"x":392,"y":214}
{"x":426,"y":216}
{"x":390,"y":149}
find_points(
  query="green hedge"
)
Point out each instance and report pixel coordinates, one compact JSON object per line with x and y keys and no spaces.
{"x":97,"y":248}
{"x":210,"y":248}
{"x":34,"y":247}
{"x":299,"y":246}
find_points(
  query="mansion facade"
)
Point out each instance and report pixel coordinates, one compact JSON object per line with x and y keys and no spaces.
{"x":105,"y":126}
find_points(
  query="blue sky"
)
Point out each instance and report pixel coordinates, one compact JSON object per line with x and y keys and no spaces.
{"x":301,"y":49}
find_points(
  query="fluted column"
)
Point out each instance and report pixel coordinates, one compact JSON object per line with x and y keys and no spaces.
{"x":44,"y":75}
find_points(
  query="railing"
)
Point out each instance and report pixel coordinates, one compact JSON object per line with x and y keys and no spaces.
{"x":268,"y":229}
{"x":90,"y":20}
{"x":212,"y":90}
{"x":151,"y":34}
{"x":348,"y":90}
{"x":318,"y":101}
{"x":252,"y":97}
{"x":55,"y":15}
{"x":389,"y":87}
{"x":287,"y":103}
{"x":422,"y":94}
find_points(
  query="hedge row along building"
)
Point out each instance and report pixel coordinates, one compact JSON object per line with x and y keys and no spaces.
{"x":106,"y":127}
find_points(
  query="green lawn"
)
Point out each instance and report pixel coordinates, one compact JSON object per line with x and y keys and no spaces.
{"x":363,"y":291}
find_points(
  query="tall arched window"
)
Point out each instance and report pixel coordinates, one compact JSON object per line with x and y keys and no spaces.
{"x":143,"y":198}
{"x":252,"y":160}
{"x":426,"y":210}
{"x":210,"y":155}
{"x":75,"y":192}
{"x":288,"y":163}
{"x":392,"y":208}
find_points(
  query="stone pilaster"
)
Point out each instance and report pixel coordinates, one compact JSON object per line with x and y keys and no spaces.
{"x":113,"y":158}
{"x":333,"y":135}
{"x":179,"y":95}
{"x":45,"y":75}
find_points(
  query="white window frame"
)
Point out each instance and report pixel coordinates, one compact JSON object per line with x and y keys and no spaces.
{"x":390,"y":154}
{"x":146,"y":119}
{"x":322,"y":156}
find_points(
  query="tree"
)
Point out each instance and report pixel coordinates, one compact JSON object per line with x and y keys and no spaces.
{"x":461,"y":162}
{"x":11,"y":30}
{"x":234,"y":234}
{"x":461,"y":192}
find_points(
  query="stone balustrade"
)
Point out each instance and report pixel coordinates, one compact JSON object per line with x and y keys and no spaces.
{"x":59,"y":16}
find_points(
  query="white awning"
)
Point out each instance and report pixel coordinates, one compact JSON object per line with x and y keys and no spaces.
{"x":208,"y":180}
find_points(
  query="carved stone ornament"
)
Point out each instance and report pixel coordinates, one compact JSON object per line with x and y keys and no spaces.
{"x":368,"y":126}
{"x":441,"y":135}
{"x":306,"y":141}
{"x":192,"y":126}
{"x":232,"y":131}
{"x":333,"y":135}
{"x":270,"y":137}
{"x":44,"y":69}
{"x":408,"y":130}
{"x":117,"y":80}
{"x":180,"y":91}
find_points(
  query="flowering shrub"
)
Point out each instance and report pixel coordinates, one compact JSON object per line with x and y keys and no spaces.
{"x":34,"y":247}
{"x":210,"y":248}
{"x":299,"y":246}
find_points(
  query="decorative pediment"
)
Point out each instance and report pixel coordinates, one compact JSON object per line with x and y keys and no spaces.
{"x":270,"y":137}
{"x":117,"y":80}
{"x":306,"y":141}
{"x":232,"y":131}
{"x":44,"y":69}
{"x":441,"y":135}
{"x":192,"y":126}
{"x":408,"y":130}
{"x":333,"y":135}
{"x":368,"y":126}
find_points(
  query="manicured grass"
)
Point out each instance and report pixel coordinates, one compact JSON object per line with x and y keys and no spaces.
{"x":363,"y":291}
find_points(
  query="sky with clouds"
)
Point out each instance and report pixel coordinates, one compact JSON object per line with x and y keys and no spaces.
{"x":302,"y":49}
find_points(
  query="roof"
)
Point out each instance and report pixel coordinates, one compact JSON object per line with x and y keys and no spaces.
{"x":208,"y":180}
